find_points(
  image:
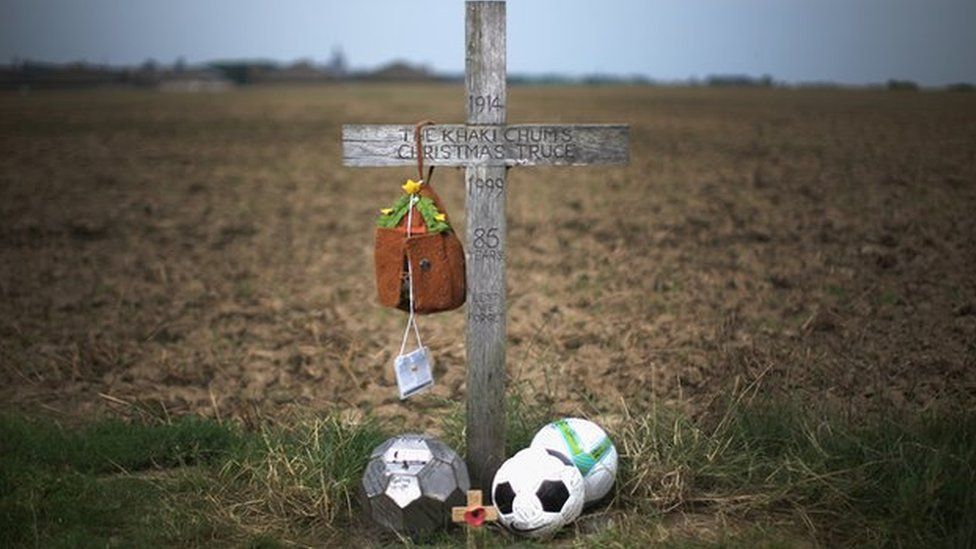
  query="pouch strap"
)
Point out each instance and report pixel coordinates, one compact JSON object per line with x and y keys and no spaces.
{"x":427,"y":190}
{"x":412,"y":318}
{"x":418,"y":139}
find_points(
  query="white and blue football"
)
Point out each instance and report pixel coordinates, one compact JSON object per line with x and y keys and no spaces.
{"x":589,"y":448}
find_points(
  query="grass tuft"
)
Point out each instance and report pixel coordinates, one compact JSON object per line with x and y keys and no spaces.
{"x":297,"y":480}
{"x":900,"y":481}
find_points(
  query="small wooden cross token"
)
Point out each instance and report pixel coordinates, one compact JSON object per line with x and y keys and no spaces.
{"x":475,"y":514}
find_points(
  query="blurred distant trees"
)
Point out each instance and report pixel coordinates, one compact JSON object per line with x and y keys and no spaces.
{"x":739,"y":80}
{"x":902,"y":85}
{"x":961,"y":87}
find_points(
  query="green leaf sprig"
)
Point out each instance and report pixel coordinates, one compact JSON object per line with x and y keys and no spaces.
{"x":435,"y":221}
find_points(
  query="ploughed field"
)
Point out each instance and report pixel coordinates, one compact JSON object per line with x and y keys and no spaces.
{"x":208,"y":253}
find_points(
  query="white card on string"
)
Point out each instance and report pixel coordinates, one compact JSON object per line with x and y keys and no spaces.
{"x":413,"y":372}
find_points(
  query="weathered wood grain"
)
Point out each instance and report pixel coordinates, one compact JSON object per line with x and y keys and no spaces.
{"x":485,"y":253}
{"x":461,"y":145}
{"x":484,"y":62}
{"x":485,"y":249}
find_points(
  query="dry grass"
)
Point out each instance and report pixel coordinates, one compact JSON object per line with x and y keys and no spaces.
{"x":207,"y":252}
{"x":298,"y":481}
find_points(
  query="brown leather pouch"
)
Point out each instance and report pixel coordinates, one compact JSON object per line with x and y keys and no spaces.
{"x":389,"y":257}
{"x":437,"y":263}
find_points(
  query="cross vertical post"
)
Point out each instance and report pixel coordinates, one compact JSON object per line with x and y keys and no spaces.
{"x":485,"y":84}
{"x":486,"y":147}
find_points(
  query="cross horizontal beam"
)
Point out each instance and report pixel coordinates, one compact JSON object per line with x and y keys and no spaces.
{"x":486,"y":145}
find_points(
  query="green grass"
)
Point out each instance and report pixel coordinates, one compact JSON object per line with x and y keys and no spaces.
{"x":70,"y":487}
{"x":186,"y":482}
{"x":115,"y":446}
{"x":754,"y":473}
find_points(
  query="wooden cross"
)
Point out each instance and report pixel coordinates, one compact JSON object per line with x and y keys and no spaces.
{"x":486,"y":148}
{"x":474,"y":514}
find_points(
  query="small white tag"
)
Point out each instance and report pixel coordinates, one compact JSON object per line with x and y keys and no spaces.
{"x":413,"y":372}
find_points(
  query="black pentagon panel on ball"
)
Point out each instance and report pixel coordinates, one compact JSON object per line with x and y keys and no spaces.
{"x":553,"y":495}
{"x":503,"y":498}
{"x":457,"y":498}
{"x":386,"y":512}
{"x":424,"y":516}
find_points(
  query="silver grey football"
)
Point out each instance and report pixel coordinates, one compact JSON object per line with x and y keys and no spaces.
{"x":411,"y":482}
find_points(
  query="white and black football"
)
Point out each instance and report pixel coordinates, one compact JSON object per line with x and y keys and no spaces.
{"x":537,"y":492}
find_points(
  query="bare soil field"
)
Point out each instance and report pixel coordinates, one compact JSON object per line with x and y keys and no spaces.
{"x":209,"y":254}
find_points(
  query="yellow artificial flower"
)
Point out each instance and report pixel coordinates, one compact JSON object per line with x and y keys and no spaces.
{"x":386,"y":211}
{"x":411,"y":186}
{"x":440,"y":217}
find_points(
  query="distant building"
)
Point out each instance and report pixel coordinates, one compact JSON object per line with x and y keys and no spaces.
{"x":192,"y":80}
{"x":301,"y":72}
{"x":402,"y":71}
{"x":337,"y":63}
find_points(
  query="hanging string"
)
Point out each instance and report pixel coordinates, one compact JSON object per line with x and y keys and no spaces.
{"x":418,"y":139}
{"x":412,"y":318}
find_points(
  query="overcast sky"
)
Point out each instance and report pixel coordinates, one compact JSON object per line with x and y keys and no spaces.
{"x":850,"y":41}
